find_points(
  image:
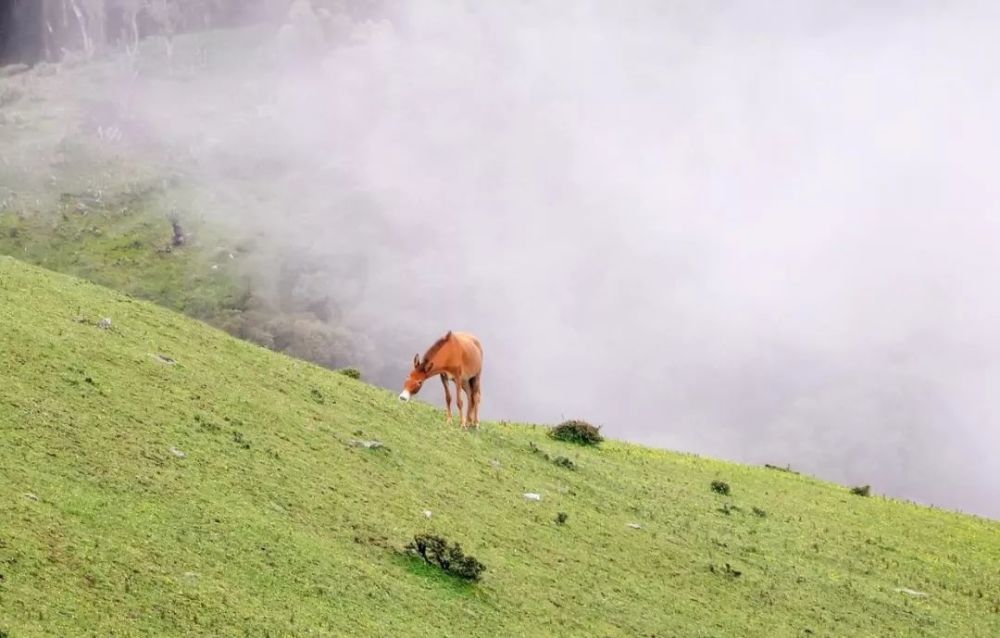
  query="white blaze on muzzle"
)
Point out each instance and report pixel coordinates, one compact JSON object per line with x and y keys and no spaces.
{"x":404,"y":395}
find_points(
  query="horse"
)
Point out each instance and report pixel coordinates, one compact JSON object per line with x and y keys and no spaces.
{"x":457,"y":356}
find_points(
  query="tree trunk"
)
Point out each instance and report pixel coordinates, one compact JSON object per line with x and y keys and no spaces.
{"x":132,"y":31}
{"x":88,"y":47}
{"x":98,"y":16}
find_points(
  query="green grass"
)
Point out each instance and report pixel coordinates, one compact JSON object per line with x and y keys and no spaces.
{"x":77,"y":200}
{"x":101,"y":209}
{"x":122,"y":243}
{"x":273,"y":524}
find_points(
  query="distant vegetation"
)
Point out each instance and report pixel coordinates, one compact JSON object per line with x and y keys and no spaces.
{"x":51,"y":30}
{"x":85,"y":190}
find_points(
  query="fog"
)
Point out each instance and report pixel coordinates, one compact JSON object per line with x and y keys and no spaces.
{"x":764,"y":232}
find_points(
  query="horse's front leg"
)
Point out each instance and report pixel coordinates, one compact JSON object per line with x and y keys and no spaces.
{"x":447,"y":395}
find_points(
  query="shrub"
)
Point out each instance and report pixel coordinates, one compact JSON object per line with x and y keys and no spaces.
{"x":561,"y":518}
{"x":759,"y":512}
{"x":562,"y":461}
{"x":240,"y":441}
{"x":353,"y":373}
{"x":862,"y":490}
{"x":435,"y":550}
{"x":727,"y":570}
{"x":720,"y":487}
{"x":575,"y":431}
{"x":787,"y":468}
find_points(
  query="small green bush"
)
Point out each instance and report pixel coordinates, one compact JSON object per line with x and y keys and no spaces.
{"x":862,"y":490}
{"x":562,"y":461}
{"x":720,"y":487}
{"x":561,"y":518}
{"x":353,"y":373}
{"x":759,"y":512}
{"x":576,"y":431}
{"x":727,"y":570}
{"x":240,"y":441}
{"x":436,"y":550}
{"x":787,"y":468}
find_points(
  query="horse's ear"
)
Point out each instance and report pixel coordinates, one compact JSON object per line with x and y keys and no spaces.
{"x":416,"y":360}
{"x":448,"y":336}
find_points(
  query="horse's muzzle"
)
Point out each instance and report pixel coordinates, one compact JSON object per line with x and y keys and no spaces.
{"x":404,"y":396}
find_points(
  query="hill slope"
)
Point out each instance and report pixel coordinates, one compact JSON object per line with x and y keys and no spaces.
{"x":273,"y":524}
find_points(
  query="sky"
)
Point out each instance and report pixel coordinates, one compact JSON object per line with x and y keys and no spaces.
{"x":764,"y":232}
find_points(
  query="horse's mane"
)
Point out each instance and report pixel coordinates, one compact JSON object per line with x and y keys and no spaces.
{"x":433,"y":350}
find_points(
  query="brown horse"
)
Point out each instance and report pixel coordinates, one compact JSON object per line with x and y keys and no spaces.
{"x":457,"y":356}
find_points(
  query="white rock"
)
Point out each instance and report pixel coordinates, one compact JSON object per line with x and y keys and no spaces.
{"x":177,"y":453}
{"x":427,"y":513}
{"x":373,"y":444}
{"x":531,"y":496}
{"x":635,"y":526}
{"x":911,"y":592}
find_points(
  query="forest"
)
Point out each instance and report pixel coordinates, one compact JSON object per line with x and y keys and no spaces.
{"x":47,"y":30}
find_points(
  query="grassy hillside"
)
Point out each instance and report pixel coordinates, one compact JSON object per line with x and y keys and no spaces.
{"x":160,"y":478}
{"x":98,"y":158}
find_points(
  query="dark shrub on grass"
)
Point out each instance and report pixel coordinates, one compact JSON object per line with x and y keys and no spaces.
{"x":720,"y":487}
{"x":727,"y":570}
{"x":787,"y":468}
{"x":575,"y":431}
{"x":562,"y":461}
{"x":862,"y":490}
{"x":435,"y":550}
{"x":561,"y":518}
{"x":354,"y":373}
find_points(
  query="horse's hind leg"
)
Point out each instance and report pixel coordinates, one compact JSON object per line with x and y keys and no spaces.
{"x":458,"y":401}
{"x":447,"y":395}
{"x":475,"y":384}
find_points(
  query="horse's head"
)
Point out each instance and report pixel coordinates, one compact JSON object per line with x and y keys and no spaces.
{"x":421,"y":370}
